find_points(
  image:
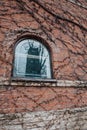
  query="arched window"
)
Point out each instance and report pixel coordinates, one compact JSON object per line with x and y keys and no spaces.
{"x":32,"y":59}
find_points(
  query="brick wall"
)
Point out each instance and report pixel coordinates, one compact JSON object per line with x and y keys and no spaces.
{"x":21,"y":96}
{"x":66,"y":40}
{"x":63,"y":27}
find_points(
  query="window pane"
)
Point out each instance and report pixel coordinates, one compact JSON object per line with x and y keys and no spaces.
{"x":32,"y":60}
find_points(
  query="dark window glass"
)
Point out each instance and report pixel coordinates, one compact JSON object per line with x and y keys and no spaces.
{"x":32,"y":59}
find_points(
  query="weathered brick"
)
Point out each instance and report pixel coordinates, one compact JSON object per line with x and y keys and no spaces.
{"x":67,"y":42}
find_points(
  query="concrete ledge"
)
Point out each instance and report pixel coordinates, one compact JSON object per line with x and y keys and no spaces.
{"x":41,"y":83}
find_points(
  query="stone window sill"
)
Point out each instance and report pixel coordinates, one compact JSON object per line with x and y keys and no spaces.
{"x":33,"y":82}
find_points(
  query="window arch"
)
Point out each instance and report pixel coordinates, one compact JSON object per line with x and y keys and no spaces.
{"x":32,"y":59}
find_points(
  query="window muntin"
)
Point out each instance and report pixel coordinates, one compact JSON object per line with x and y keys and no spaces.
{"x":32,"y":59}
